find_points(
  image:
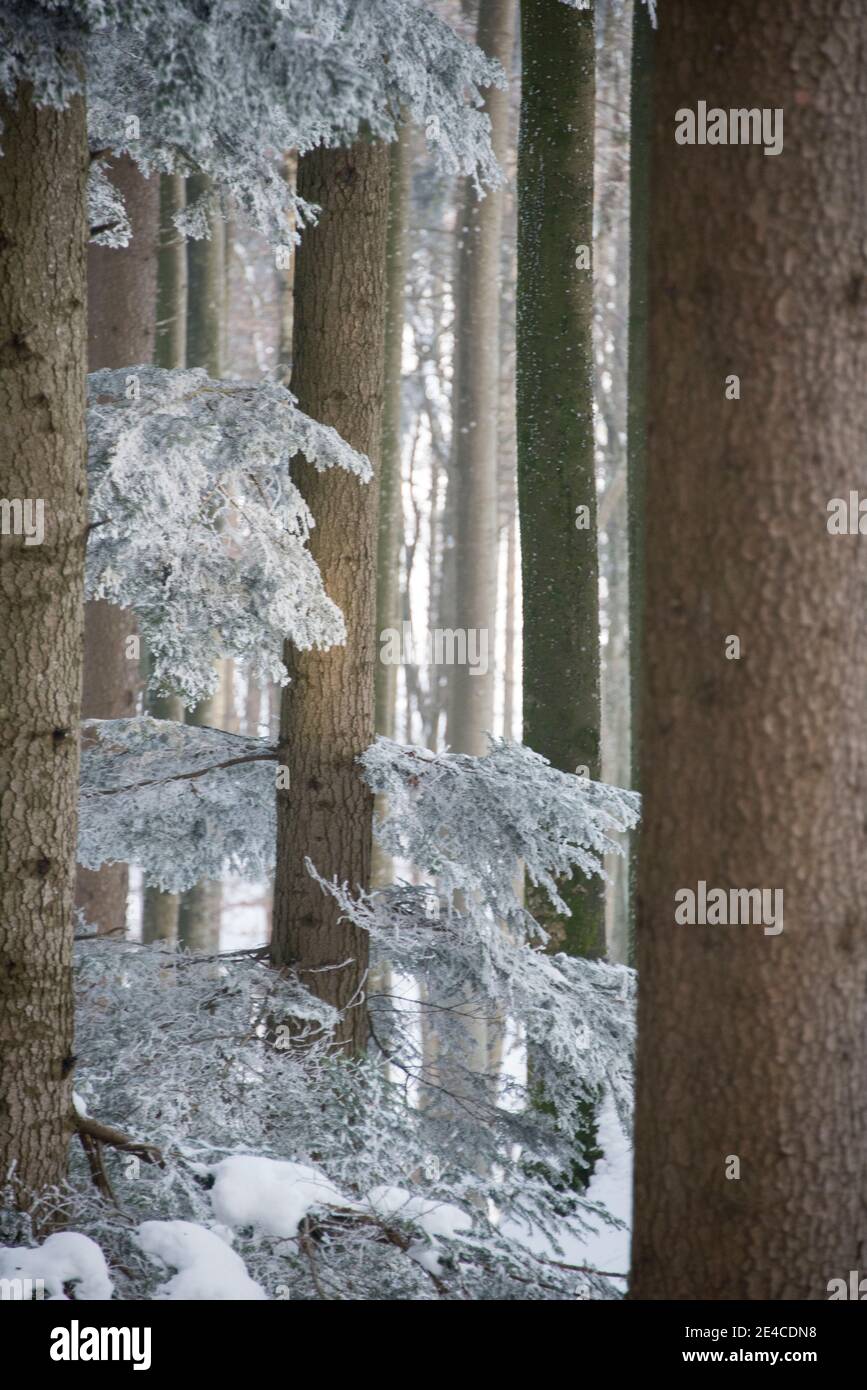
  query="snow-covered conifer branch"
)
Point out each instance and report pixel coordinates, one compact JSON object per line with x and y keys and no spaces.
{"x":184,"y":803}
{"x":222,"y":91}
{"x":469,"y":821}
{"x":198,"y":525}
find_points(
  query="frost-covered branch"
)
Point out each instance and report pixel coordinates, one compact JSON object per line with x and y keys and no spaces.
{"x":220,"y":87}
{"x":471,"y":821}
{"x":197,"y":524}
{"x":183,"y":803}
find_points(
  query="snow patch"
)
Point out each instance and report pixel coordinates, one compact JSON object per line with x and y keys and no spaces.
{"x":64,"y":1258}
{"x":208,"y":1269}
{"x":271,"y":1194}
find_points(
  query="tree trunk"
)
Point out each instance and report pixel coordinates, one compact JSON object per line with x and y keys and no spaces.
{"x":476,"y":407}
{"x":614,"y":22}
{"x":327,"y":715}
{"x":639,"y":215}
{"x":43,"y":173}
{"x":286,"y":285}
{"x":206,"y":289}
{"x":752,"y":1046}
{"x":159,"y":909}
{"x":200,"y":909}
{"x":388,"y":598}
{"x":121,"y":322}
{"x":475,"y":414}
{"x":171,"y":336}
{"x":389,"y":604}
{"x":556,"y":469}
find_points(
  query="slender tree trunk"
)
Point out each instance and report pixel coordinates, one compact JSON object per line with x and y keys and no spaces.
{"x":389,"y":603}
{"x":253,"y":708}
{"x":639,"y":221}
{"x":614,"y":23}
{"x":159,"y":909}
{"x":206,"y":289}
{"x":122,"y":287}
{"x":327,"y":716}
{"x":752,"y":1046}
{"x":200,"y":907}
{"x":556,"y":467}
{"x":388,"y":597}
{"x":476,"y":408}
{"x":286,"y":286}
{"x":43,"y":172}
{"x":171,"y":336}
{"x":475,"y":413}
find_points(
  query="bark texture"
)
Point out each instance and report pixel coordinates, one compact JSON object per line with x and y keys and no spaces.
{"x":42,"y":456}
{"x":755,"y":770}
{"x":121,"y":322}
{"x":327,"y":716}
{"x":556,"y":466}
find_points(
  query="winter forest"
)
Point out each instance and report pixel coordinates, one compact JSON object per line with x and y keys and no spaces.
{"x":433,"y":785}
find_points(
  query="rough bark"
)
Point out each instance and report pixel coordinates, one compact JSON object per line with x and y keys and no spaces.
{"x":121,"y":322}
{"x":42,"y":456}
{"x":755,"y":770}
{"x":327,"y":715}
{"x":556,"y":467}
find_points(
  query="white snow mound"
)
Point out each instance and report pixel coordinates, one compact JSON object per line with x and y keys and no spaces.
{"x":208,"y":1269}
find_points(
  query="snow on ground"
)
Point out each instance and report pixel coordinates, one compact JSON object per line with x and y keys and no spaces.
{"x":208,"y":1269}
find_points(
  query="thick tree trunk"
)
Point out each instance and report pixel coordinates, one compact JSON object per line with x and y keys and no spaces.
{"x":752,"y":1046}
{"x":121,"y":321}
{"x":43,"y":172}
{"x":556,"y":467}
{"x":159,"y":909}
{"x":200,"y":908}
{"x":327,"y":716}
